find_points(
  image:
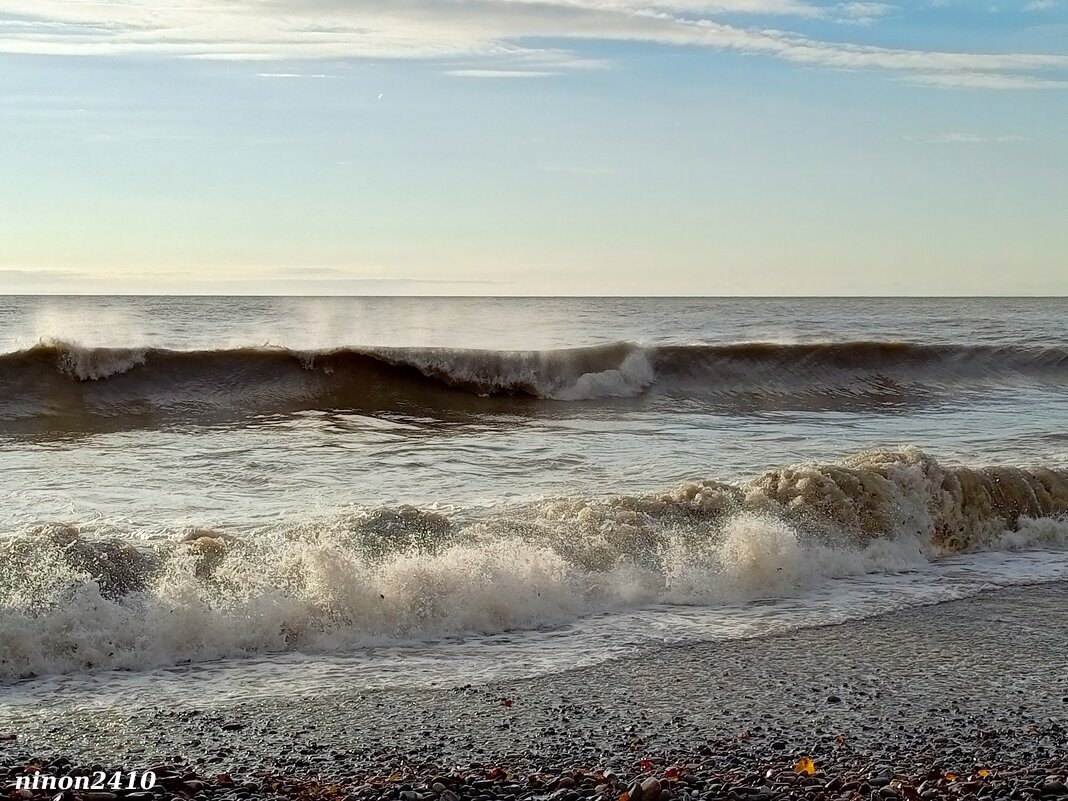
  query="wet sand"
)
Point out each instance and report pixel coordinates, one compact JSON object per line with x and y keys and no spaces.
{"x":976,"y":690}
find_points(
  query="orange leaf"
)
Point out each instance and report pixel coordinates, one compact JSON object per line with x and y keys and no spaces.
{"x":951,"y":777}
{"x":984,"y":773}
{"x":805,"y":765}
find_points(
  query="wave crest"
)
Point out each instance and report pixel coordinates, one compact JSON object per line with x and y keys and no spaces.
{"x":62,"y":380}
{"x":73,"y":597}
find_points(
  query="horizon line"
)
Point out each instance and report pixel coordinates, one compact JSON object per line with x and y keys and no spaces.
{"x":578,"y":296}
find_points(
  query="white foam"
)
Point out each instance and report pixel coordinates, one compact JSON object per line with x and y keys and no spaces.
{"x":619,"y":370}
{"x":95,"y":364}
{"x":630,"y":379}
{"x":320,"y":594}
{"x":70,"y":602}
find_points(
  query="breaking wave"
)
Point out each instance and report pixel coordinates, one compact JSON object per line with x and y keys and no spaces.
{"x":66,"y":381}
{"x":87,"y":597}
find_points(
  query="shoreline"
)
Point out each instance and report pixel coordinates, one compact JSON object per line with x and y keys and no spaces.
{"x":959,"y":687}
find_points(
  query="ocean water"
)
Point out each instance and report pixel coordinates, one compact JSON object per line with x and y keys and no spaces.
{"x":218,"y":497}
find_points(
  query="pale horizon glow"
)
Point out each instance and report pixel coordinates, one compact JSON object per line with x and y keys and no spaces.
{"x":534,"y":147}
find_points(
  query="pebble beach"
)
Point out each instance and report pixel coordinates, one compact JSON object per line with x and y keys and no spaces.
{"x":963,"y":700}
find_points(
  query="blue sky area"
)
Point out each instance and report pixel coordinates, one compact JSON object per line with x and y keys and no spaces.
{"x":511,"y":147}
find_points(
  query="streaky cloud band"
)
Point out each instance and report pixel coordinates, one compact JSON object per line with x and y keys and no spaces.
{"x":264,"y":30}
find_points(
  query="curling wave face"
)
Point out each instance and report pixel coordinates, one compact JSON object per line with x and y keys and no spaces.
{"x":62,"y":383}
{"x":88,"y":597}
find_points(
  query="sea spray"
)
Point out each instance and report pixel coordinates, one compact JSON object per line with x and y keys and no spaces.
{"x":74,"y":598}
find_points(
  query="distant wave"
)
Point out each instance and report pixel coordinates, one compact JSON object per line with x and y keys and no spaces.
{"x":63,"y":380}
{"x":75,"y":597}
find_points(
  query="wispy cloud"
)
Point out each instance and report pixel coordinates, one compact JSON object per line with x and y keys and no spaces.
{"x":487,"y":30}
{"x":310,"y":280}
{"x":988,"y":80}
{"x":489,"y":73}
{"x":1041,"y":5}
{"x":964,"y":139}
{"x":292,"y":75}
{"x":860,"y":13}
{"x":19,"y":278}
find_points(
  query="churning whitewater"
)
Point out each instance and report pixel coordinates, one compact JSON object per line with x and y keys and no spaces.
{"x":75,"y":597}
{"x":540,"y":481}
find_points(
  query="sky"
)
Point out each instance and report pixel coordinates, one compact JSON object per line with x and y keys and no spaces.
{"x":548,"y":147}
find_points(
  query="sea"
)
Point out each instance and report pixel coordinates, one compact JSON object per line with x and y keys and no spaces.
{"x":224,"y":498}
